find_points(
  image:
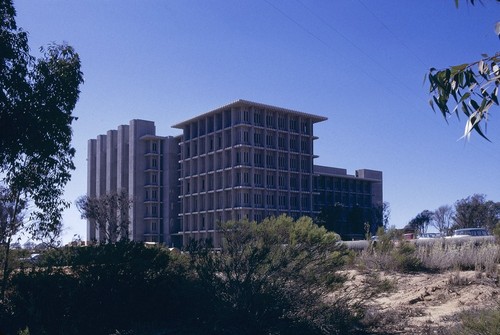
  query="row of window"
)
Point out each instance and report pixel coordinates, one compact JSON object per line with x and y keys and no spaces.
{"x":246,"y":199}
{"x":203,"y":222}
{"x":332,"y":183}
{"x":243,"y":178}
{"x":225,"y":119}
{"x":258,"y":159}
{"x":197,"y":147}
{"x":347,"y":199}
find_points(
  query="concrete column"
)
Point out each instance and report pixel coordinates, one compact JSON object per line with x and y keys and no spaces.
{"x":101,"y":177}
{"x":122,"y":158}
{"x":91,"y":184}
{"x":137,"y":166}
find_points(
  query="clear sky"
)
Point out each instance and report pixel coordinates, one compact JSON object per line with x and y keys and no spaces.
{"x":361,"y":63}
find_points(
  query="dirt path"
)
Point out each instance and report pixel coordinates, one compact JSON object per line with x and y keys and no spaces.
{"x":429,"y":303}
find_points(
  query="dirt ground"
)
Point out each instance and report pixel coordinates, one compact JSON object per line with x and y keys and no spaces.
{"x":425,"y":303}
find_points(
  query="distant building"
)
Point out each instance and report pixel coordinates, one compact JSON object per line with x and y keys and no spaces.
{"x":348,"y":202}
{"x":244,"y":160}
{"x":135,"y":160}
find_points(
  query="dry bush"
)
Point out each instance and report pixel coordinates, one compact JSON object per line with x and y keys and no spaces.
{"x":444,"y":255}
{"x":438,"y":255}
{"x":457,"y":280}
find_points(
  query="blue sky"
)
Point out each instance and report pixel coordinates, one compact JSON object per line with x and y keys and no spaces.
{"x":360,"y":63}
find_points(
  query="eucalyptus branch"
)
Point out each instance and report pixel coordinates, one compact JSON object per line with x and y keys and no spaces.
{"x":473,"y":87}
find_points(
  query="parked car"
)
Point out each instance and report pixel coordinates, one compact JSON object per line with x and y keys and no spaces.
{"x":429,"y":236}
{"x":464,"y":232}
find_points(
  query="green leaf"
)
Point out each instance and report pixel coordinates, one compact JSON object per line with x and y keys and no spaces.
{"x":464,"y":97}
{"x":465,"y":109}
{"x":494,"y":95}
{"x":480,"y":132}
{"x":459,"y":68}
{"x":474,"y":104}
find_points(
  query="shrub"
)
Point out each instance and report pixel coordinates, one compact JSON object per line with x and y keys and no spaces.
{"x":121,"y":286}
{"x":405,"y":258}
{"x":434,"y":255}
{"x":274,"y":277}
{"x":462,"y":255}
{"x":479,"y":322}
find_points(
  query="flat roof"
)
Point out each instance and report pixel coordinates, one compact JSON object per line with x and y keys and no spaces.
{"x":240,"y":102}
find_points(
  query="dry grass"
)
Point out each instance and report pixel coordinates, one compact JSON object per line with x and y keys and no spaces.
{"x":466,"y":272}
{"x":439,"y":255}
{"x":444,"y":255}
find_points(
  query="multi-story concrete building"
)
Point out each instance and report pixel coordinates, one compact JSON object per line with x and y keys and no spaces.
{"x":133,"y":159}
{"x":244,"y":160}
{"x":348,"y":202}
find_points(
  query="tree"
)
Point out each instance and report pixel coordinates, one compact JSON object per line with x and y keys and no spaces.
{"x":332,"y":218}
{"x":349,"y":222}
{"x":382,"y":215}
{"x":473,"y":87}
{"x":11,"y":215}
{"x":475,"y":211}
{"x":110,"y":213}
{"x":442,"y":219}
{"x":37,"y":97}
{"x":421,"y":222}
{"x":11,"y":219}
{"x":273,"y":277}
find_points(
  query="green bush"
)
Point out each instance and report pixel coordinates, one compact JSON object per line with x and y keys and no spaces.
{"x":479,"y":322}
{"x":405,"y":258}
{"x":274,"y":277}
{"x":111,"y":287}
{"x":280,"y":276}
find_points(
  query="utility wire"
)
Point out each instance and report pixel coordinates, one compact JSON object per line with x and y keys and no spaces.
{"x":366,"y":54}
{"x":412,"y":52}
{"x":404,"y":99}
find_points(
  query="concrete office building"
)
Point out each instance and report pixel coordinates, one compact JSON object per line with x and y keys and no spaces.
{"x":244,"y":160}
{"x":135,"y":160}
{"x":353,"y":200}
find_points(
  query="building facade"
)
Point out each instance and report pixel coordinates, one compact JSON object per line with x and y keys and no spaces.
{"x":347,"y":202}
{"x":134,"y":160}
{"x":244,"y":160}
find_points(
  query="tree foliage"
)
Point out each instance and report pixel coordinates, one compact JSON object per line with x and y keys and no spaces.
{"x":37,"y":97}
{"x":421,"y":222}
{"x":475,"y":211}
{"x":11,"y":215}
{"x":106,"y":289}
{"x":274,"y":277}
{"x":443,"y":219}
{"x":11,"y":220}
{"x":471,"y":87}
{"x":383,"y":214}
{"x":350,"y":222}
{"x":277,"y":277}
{"x":110,"y":213}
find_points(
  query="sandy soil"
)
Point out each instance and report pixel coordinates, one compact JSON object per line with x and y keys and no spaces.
{"x":429,"y":303}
